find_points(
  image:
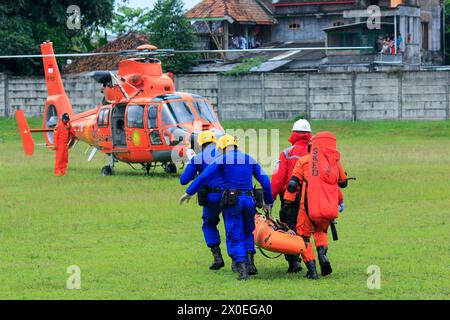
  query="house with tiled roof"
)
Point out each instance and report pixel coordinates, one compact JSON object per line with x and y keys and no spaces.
{"x":305,"y":20}
{"x":220,"y":22}
{"x":107,"y":62}
{"x":415,"y":27}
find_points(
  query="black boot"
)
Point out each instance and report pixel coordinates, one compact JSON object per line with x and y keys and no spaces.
{"x":325,"y":265}
{"x":218,"y":260}
{"x":251,"y":268}
{"x":242,"y":269}
{"x":234,"y":267}
{"x":294,"y":264}
{"x":312,"y":272}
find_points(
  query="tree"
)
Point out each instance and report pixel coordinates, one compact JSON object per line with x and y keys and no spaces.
{"x":126,"y":20}
{"x":170,"y":29}
{"x":25,"y":24}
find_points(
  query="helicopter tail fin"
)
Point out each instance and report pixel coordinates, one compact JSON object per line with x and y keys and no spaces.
{"x":52,"y":75}
{"x":25,"y":133}
{"x":58,"y":102}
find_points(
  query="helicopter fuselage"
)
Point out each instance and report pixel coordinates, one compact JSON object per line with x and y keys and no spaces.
{"x":146,"y":129}
{"x":142,"y":119}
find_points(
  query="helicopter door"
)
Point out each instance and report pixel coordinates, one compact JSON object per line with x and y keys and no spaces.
{"x":136,"y":135}
{"x":118,"y":126}
{"x":153,"y":125}
{"x":103,"y":128}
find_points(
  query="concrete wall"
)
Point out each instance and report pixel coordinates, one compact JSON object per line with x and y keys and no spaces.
{"x":3,"y":95}
{"x":30,"y":93}
{"x":425,"y":95}
{"x":431,"y":14}
{"x":201,"y":84}
{"x":342,"y":96}
{"x":285,"y":96}
{"x":377,"y":95}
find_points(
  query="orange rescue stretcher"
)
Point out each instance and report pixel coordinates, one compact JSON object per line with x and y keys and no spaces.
{"x":274,"y":236}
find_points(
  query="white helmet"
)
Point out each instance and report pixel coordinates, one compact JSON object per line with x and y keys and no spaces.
{"x":302,"y":125}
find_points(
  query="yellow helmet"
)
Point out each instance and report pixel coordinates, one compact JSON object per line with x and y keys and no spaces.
{"x":225,"y":141}
{"x":205,"y":137}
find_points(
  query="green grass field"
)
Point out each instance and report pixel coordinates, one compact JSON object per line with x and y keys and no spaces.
{"x":132,"y":240}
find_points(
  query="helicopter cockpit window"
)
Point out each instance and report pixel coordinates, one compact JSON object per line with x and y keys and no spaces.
{"x":205,"y":111}
{"x":135,"y":116}
{"x":100,"y":118}
{"x":152,"y":122}
{"x":176,"y":112}
{"x":103,"y":118}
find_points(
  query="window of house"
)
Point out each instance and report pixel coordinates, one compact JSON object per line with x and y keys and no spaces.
{"x":295,"y":25}
{"x":338,"y":23}
{"x":425,"y":35}
{"x":135,"y":116}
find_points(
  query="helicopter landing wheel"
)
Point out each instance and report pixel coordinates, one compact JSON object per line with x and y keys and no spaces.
{"x":170,"y":168}
{"x":148,"y":167}
{"x":107,"y":171}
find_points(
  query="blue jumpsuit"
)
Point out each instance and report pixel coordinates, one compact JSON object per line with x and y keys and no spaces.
{"x":211,"y":212}
{"x":238,"y":170}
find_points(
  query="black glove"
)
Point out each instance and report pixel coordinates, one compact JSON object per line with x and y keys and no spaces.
{"x":286,"y":207}
{"x":343,"y":184}
{"x":267,"y":209}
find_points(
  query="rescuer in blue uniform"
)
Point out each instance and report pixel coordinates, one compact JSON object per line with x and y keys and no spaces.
{"x":209,"y":196}
{"x":238,"y":170}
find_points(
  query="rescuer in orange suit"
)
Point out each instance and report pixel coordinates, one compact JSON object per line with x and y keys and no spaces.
{"x":305,"y":226}
{"x":62,"y":135}
{"x":299,"y":139}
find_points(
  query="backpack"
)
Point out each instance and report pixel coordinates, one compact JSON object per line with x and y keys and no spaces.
{"x":323,"y":190}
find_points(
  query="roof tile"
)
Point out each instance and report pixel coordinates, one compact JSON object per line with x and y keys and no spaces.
{"x":310,"y":2}
{"x":108,"y":62}
{"x":242,"y":11}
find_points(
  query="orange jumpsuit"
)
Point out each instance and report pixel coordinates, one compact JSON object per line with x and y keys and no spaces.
{"x":306,"y":227}
{"x":62,"y":135}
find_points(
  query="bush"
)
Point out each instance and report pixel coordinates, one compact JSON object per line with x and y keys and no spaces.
{"x":244,"y":67}
{"x":302,"y":115}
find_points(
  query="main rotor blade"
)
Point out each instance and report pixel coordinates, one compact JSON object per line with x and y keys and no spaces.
{"x":90,"y":54}
{"x":171,"y":51}
{"x":272,"y":49}
{"x":61,"y":55}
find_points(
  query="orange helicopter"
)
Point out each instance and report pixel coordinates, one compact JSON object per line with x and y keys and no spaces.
{"x":141,"y":120}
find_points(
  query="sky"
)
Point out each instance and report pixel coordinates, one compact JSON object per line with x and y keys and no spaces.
{"x":149,"y":3}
